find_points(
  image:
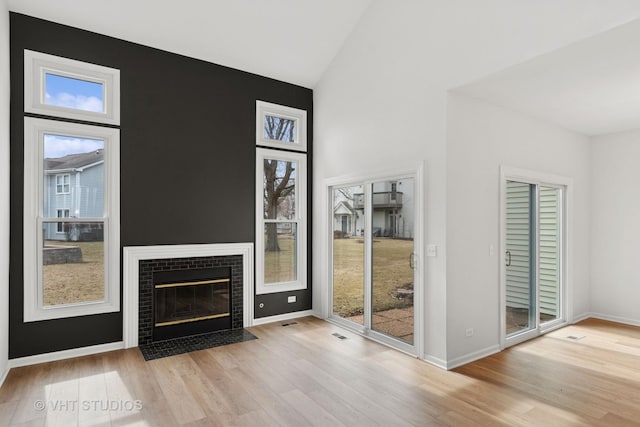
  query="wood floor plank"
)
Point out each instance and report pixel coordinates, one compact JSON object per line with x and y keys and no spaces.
{"x":303,"y":375}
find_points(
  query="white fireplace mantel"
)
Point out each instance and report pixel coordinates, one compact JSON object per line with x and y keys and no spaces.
{"x":132,"y":255}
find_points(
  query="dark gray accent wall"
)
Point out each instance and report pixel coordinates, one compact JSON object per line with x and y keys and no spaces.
{"x":187,"y":162}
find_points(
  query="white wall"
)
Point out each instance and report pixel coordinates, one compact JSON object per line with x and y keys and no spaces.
{"x":481,"y":138}
{"x":4,"y":187}
{"x":382,"y":103}
{"x":615,"y":227}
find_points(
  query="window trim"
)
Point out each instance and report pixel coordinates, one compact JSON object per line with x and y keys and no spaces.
{"x":38,"y":64}
{"x":34,"y":131}
{"x":299,"y":116}
{"x":300,"y":219}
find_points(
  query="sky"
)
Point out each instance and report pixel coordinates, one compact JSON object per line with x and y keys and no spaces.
{"x":73,"y":93}
{"x":61,"y":145}
{"x":77,"y":94}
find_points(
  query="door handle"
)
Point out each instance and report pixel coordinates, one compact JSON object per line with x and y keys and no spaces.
{"x":412,"y":260}
{"x":508,"y":253}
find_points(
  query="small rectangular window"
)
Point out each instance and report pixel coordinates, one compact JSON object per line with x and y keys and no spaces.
{"x":62,"y":183}
{"x":280,"y":126}
{"x":62,"y":87}
{"x":61,"y":213}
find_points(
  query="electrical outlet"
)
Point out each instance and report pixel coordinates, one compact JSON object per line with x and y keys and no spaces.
{"x":291,"y":299}
{"x":470,"y":332}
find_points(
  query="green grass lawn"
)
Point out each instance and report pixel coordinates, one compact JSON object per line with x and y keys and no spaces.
{"x":391,"y":272}
{"x":77,"y":282}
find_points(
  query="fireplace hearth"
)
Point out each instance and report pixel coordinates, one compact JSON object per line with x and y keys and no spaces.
{"x":182,"y":297}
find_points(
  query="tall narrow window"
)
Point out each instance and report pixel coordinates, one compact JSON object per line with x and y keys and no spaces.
{"x":71,"y":183}
{"x":280,"y":199}
{"x":281,"y":228}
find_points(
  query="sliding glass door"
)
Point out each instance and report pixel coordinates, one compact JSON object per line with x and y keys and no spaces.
{"x":373,"y":259}
{"x":533,"y":258}
{"x":348,"y":253}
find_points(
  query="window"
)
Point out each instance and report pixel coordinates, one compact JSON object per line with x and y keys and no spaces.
{"x":71,"y":183}
{"x":278,"y":126}
{"x":281,"y":227}
{"x":281,"y":201}
{"x":71,"y":89}
{"x":61,"y":213}
{"x":62,"y":183}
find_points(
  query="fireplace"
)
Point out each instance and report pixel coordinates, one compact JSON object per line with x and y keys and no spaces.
{"x":189,"y":296}
{"x":183,"y":297}
{"x":140,"y":263}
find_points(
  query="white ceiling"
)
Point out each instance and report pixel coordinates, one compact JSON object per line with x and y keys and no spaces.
{"x":591,"y":87}
{"x":289,"y":40}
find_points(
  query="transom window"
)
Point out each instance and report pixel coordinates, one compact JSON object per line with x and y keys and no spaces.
{"x":279,"y":126}
{"x":71,"y":183}
{"x":66,"y":88}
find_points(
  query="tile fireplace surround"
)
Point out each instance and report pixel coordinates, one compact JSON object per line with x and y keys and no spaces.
{"x":132,"y":255}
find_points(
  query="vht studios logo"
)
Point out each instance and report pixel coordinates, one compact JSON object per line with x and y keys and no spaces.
{"x":88,"y":405}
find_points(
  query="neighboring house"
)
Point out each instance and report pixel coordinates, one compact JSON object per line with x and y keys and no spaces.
{"x":393,"y":208}
{"x":346,"y":220}
{"x":74,"y":188}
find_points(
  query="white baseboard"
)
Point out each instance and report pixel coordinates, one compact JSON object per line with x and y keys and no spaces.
{"x":281,"y":317}
{"x":65,"y":354}
{"x":4,"y":376}
{"x":581,"y":317}
{"x":472,"y":357}
{"x":438,"y":363}
{"x":617,"y":319}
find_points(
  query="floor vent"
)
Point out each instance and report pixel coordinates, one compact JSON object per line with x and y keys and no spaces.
{"x":289,"y":324}
{"x":575,"y":337}
{"x":339,"y":336}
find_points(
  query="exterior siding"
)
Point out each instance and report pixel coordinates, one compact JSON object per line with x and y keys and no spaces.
{"x":85,"y":198}
{"x":549,"y":250}
{"x":519,"y":234}
{"x":89,"y":195}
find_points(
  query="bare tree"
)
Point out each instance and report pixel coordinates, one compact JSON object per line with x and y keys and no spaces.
{"x":279,"y":179}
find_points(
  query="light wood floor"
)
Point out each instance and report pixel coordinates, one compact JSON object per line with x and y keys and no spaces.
{"x":301,"y":375}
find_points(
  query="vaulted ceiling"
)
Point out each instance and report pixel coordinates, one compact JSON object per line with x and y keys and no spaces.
{"x":289,"y":40}
{"x":591,"y":87}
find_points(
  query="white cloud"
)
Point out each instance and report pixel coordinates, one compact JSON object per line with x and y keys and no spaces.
{"x":59,"y":146}
{"x":77,"y":102}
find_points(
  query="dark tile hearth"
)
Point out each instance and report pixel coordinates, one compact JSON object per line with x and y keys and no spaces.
{"x":159,"y":349}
